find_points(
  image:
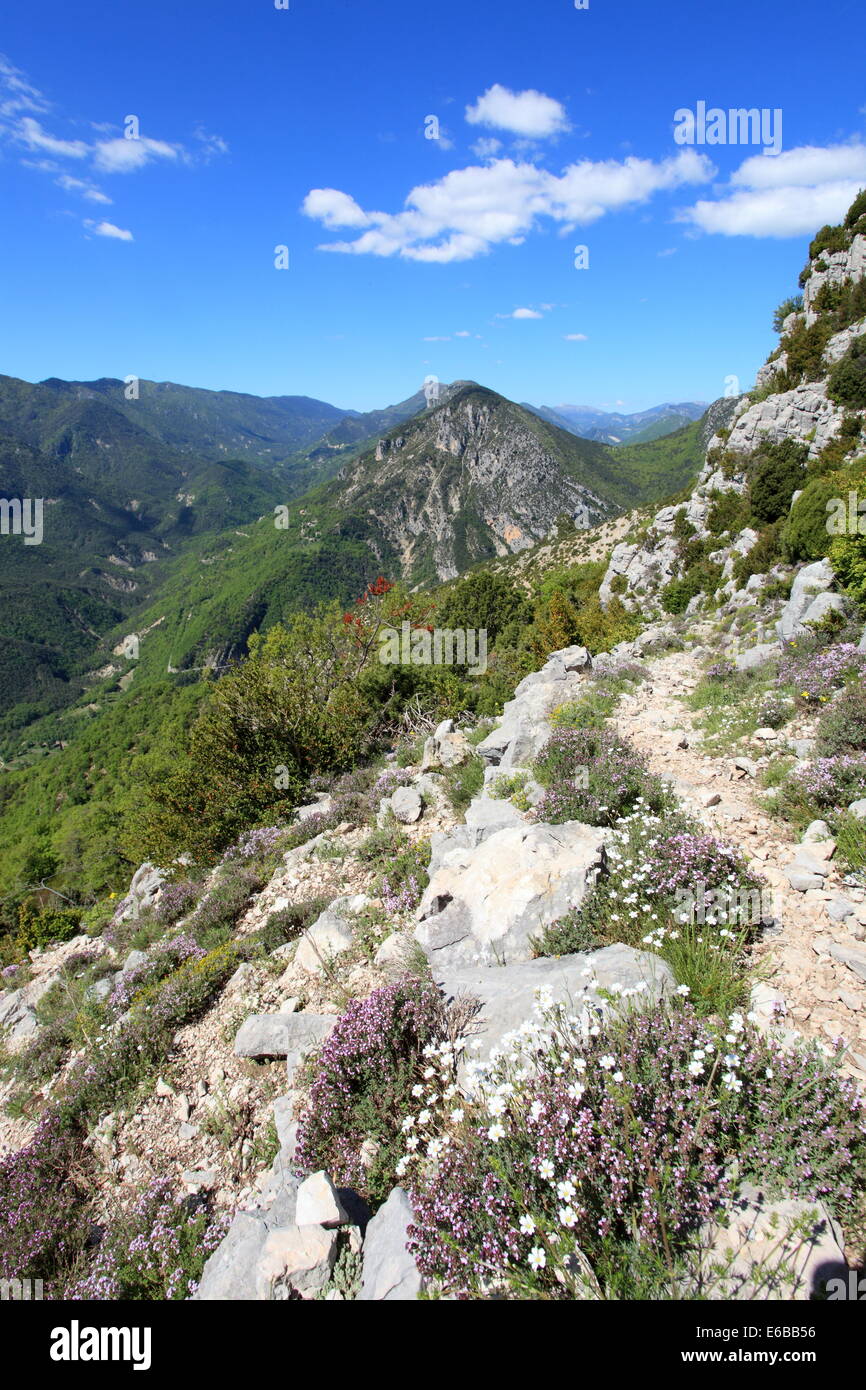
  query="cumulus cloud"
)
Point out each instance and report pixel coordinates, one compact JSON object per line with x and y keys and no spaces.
{"x":333,"y":208}
{"x":465,"y":213}
{"x":527,"y":113}
{"x":575,"y":337}
{"x":108,"y":229}
{"x":790,"y":194}
{"x":522,"y":314}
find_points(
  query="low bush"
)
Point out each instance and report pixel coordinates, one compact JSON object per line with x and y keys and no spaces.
{"x":594,"y":776}
{"x":842,"y":726}
{"x":591,"y":1162}
{"x":155,"y":1250}
{"x":364,"y":1076}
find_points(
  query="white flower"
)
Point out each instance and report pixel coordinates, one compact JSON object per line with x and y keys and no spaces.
{"x":496,"y":1132}
{"x":412,"y":1141}
{"x":618,"y":1076}
{"x":568,"y":1216}
{"x":565,"y":1190}
{"x":545,"y":1168}
{"x":576,"y":1091}
{"x":527,"y":1225}
{"x":537,"y":1257}
{"x":683,"y":990}
{"x":424,"y":1117}
{"x":496,"y":1105}
{"x":536,"y":1110}
{"x":607,"y":1062}
{"x":456,"y":1116}
{"x":407,"y":1123}
{"x":417,"y":1092}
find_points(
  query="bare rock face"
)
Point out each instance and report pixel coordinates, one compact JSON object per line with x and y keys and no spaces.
{"x":507,"y":995}
{"x":832,"y":268}
{"x":810,"y":582}
{"x":483,"y":904}
{"x":390,"y":1274}
{"x":525,"y":726}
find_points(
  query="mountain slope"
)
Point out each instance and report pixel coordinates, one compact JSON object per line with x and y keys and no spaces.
{"x":610,"y":427}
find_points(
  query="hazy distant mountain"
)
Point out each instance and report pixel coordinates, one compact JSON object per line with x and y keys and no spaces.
{"x":609,"y":427}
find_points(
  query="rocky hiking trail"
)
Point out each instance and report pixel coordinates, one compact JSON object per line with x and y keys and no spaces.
{"x":804,"y":979}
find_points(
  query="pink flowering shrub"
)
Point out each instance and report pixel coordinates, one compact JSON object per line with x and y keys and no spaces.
{"x":363,"y":1081}
{"x":155,"y":1250}
{"x":832,"y":782}
{"x":43,"y":1225}
{"x":813,"y":673}
{"x":591,"y":1162}
{"x":594,"y":776}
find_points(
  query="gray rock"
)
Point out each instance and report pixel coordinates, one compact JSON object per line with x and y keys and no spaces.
{"x":507,"y":994}
{"x":264,"y":1036}
{"x":134,"y":960}
{"x":855,"y":960}
{"x":301,"y":1257}
{"x":839,"y":909}
{"x":407,"y":805}
{"x":747,"y":765}
{"x":230,"y":1272}
{"x":769,"y":1258}
{"x":144,"y":890}
{"x":330,"y":935}
{"x":390,"y":1274}
{"x":284,"y":1121}
{"x":319,"y":1202}
{"x":322,"y":806}
{"x":801,"y":880}
{"x":484,"y":903}
{"x":858,"y":808}
{"x":816,"y":831}
{"x":821,"y":606}
{"x":810,"y":581}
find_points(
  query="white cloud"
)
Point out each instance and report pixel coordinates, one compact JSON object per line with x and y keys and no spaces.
{"x":668,"y":251}
{"x":808,"y":166}
{"x":436,"y":340}
{"x":786,"y":195}
{"x":463,"y":214}
{"x":30,"y":133}
{"x":18,"y":94}
{"x":486,"y":147}
{"x":463,"y":333}
{"x":122,"y":156}
{"x":528,"y":113}
{"x":108,"y":229}
{"x":575,"y":337}
{"x":87,"y":190}
{"x":774,"y":212}
{"x":333,"y":208}
{"x":523,"y":314}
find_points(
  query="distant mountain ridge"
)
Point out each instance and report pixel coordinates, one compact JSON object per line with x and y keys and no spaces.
{"x":609,"y":427}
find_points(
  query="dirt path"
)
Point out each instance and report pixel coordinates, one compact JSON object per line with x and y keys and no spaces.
{"x":824,"y":998}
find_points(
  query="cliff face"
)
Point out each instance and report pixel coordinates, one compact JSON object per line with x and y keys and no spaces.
{"x":469,"y":479}
{"x":794,"y":407}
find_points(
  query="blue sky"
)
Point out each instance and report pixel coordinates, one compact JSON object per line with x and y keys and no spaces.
{"x":409,"y":256}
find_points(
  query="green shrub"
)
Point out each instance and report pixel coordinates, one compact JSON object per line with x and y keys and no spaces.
{"x":761,"y":558}
{"x":776,"y":471}
{"x":847,"y":381}
{"x":804,"y":534}
{"x":842,"y":726}
{"x":728,"y":513}
{"x":787,"y":306}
